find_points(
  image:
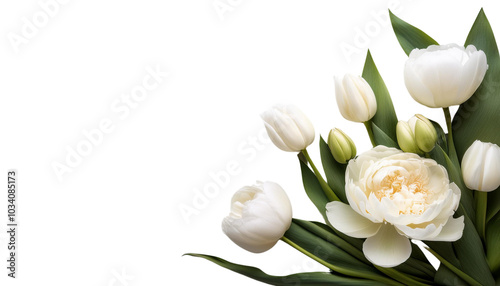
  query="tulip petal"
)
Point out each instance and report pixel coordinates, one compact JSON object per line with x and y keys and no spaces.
{"x":491,"y":167}
{"x":387,"y":248}
{"x":416,"y":87}
{"x":472,"y":75}
{"x":276,"y":139}
{"x":303,"y":124}
{"x":343,"y":218}
{"x":244,"y":236}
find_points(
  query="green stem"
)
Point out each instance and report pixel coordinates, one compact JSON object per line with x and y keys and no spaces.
{"x":481,"y":199}
{"x":460,"y":273}
{"x":369,"y":129}
{"x":451,"y":146}
{"x":324,"y":185}
{"x":341,"y":270}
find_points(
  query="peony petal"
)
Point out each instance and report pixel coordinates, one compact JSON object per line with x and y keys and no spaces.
{"x":387,"y":248}
{"x":430,"y":231}
{"x":452,"y":230}
{"x":343,"y":218}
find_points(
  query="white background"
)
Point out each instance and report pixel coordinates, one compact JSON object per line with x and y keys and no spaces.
{"x":117,"y":210}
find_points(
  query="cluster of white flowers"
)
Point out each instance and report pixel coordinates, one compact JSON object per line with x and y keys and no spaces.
{"x":393,"y":195}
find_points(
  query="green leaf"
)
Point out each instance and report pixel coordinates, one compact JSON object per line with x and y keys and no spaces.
{"x":466,"y":198}
{"x":449,"y":266}
{"x":331,"y":256}
{"x":444,"y":276}
{"x":493,"y":244}
{"x":477,"y":118}
{"x":313,"y":189}
{"x":442,"y":139}
{"x":334,"y":171}
{"x":410,"y":37}
{"x":385,"y":117}
{"x":470,"y":252}
{"x":493,"y":204}
{"x":308,"y":278}
{"x":381,"y":138}
{"x":327,"y":233}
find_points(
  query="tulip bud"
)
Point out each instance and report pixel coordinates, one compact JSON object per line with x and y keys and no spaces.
{"x":481,"y":166}
{"x":406,"y":138}
{"x":355,"y":98}
{"x":418,"y":135}
{"x":341,"y":146}
{"x":260,"y":215}
{"x":425,"y":132}
{"x":442,"y":76}
{"x":288,"y":128}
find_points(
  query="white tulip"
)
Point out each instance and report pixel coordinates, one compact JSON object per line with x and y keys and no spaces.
{"x":259,"y":216}
{"x":442,"y":76}
{"x":393,"y":197}
{"x":481,"y":166}
{"x":355,"y":98}
{"x":289,"y":129}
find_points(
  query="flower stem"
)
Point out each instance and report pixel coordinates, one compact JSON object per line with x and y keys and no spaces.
{"x":346,"y":271}
{"x":451,"y":146}
{"x":369,"y":129}
{"x":324,"y":185}
{"x":481,"y":199}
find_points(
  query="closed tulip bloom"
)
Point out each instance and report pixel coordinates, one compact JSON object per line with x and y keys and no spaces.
{"x":446,"y":75}
{"x":406,"y":138}
{"x":341,"y":146}
{"x":259,"y":216}
{"x":355,"y":98}
{"x":481,"y":166}
{"x":425,"y":132}
{"x":288,"y":128}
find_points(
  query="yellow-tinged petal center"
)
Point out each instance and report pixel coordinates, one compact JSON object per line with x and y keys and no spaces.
{"x":406,"y":189}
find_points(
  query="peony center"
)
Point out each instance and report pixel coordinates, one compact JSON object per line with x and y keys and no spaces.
{"x":406,"y":190}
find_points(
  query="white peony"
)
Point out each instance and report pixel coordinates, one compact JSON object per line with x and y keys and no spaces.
{"x":393,"y":197}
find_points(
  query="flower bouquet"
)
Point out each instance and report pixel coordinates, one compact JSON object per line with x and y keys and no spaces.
{"x":418,"y":183}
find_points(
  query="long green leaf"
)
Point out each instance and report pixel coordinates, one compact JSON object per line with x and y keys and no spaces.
{"x":313,"y":189}
{"x":385,"y":117}
{"x":493,"y":204}
{"x":493,"y":244}
{"x":466,"y":199}
{"x":303,"y":279}
{"x":334,"y":171}
{"x":477,"y":118}
{"x":444,"y":276}
{"x":442,"y":139}
{"x":381,"y":138}
{"x":410,"y":37}
{"x":470,"y":281}
{"x":331,"y":256}
{"x":470,"y":252}
{"x":327,"y":233}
